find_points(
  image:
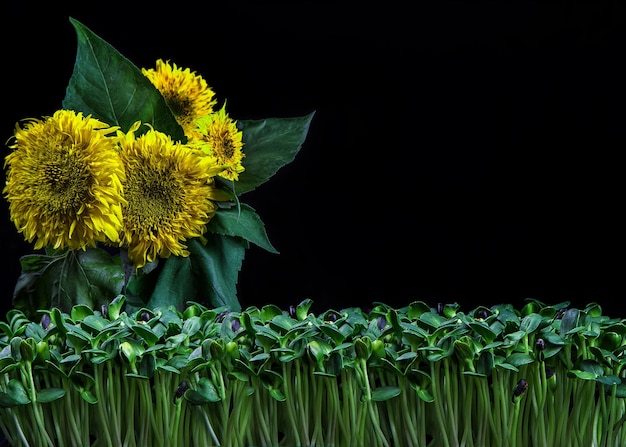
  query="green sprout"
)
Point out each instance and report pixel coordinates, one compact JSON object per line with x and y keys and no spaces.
{"x":413,"y":376}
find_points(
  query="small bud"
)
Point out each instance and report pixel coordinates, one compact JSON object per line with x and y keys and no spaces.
{"x":482,"y":314}
{"x":363,"y":347}
{"x":144,"y":316}
{"x":232,"y":349}
{"x":292,"y":311}
{"x":378,"y":349}
{"x":540,"y":344}
{"x":220,"y":317}
{"x":382,"y":323}
{"x":181,"y":389}
{"x":551,"y":378}
{"x":235,"y":325}
{"x":331,"y":317}
{"x":45,"y":321}
{"x":521,"y":388}
{"x":104,"y":310}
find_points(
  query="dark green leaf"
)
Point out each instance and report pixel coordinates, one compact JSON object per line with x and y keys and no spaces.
{"x":302,"y":309}
{"x":609,"y":381}
{"x":483,"y":330}
{"x":331,"y":331}
{"x":417,"y":308}
{"x":425,"y":395}
{"x":146,"y":333}
{"x":584,"y":375}
{"x":241,"y":222}
{"x":385,"y":393}
{"x":50,"y":395}
{"x":90,"y":277}
{"x":432,"y":320}
{"x":519,"y":359}
{"x":591,"y":366}
{"x":175,"y":285}
{"x":80,"y":311}
{"x":568,"y":321}
{"x":530,"y":322}
{"x":270,"y":311}
{"x":15,"y":395}
{"x":109,"y":87}
{"x":216,"y":266}
{"x":269,"y":145}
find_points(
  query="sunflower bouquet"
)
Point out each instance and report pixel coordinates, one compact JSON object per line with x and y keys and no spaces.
{"x":131,"y":190}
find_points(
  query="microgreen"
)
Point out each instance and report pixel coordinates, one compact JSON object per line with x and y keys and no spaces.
{"x":413,"y":376}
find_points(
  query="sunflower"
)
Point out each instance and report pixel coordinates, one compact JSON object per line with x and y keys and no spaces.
{"x":170,"y":193}
{"x":64,"y":181}
{"x":217,"y":135}
{"x":186,"y":93}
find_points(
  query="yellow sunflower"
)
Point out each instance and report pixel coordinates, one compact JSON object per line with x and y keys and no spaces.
{"x":170,"y":194}
{"x":186,"y":93}
{"x":217,"y":135}
{"x":64,"y":181}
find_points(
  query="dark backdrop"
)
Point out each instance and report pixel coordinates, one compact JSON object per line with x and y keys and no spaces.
{"x":460,"y":151}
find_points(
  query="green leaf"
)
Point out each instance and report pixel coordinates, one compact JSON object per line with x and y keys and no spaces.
{"x":146,"y":333}
{"x":417,"y":308}
{"x":426,"y":396}
{"x":302,"y":309}
{"x":332,"y":332}
{"x":530,"y":322}
{"x":269,"y":144}
{"x":174,"y":285}
{"x":519,"y":359}
{"x":584,"y":375}
{"x":483,"y":330}
{"x":109,"y":87}
{"x":80,"y":312}
{"x":241,"y":222}
{"x":15,"y":395}
{"x":431,"y":319}
{"x":90,"y":277}
{"x":208,"y":275}
{"x":568,"y":321}
{"x":385,"y":393}
{"x":621,"y":391}
{"x":609,"y":381}
{"x":216,"y":266}
{"x":205,"y":393}
{"x":50,"y":395}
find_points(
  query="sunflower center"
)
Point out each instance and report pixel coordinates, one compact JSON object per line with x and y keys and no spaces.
{"x":180,"y":106}
{"x":66,"y":182}
{"x":154,"y":198}
{"x":228,"y":148}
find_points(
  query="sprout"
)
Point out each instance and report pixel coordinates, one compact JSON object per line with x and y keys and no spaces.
{"x":449,"y":378}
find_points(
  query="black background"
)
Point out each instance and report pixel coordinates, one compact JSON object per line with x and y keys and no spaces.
{"x":464,"y":152}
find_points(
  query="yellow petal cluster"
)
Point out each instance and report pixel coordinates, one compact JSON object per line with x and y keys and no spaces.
{"x":186,"y":93}
{"x":64,"y":181}
{"x":170,"y":193}
{"x":217,"y":135}
{"x":74,"y":181}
